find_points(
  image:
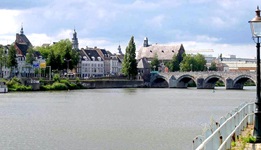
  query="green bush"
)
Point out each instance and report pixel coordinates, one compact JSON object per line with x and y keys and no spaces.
{"x":59,"y":86}
{"x":54,"y":86}
{"x":56,"y":78}
{"x":15,"y":85}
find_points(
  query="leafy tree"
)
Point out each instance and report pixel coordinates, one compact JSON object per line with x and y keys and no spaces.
{"x":75,"y":58}
{"x":2,"y":59}
{"x":51,"y":60}
{"x":57,"y":53}
{"x":213,"y":66}
{"x":11,"y":59}
{"x":173,"y":65}
{"x":129,"y":67}
{"x":200,"y":62}
{"x":155,"y":63}
{"x":30,"y":56}
{"x":193,"y":63}
{"x":187,"y":63}
{"x":67,"y":58}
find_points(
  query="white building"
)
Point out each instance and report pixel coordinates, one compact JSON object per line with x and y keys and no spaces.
{"x":92,"y":65}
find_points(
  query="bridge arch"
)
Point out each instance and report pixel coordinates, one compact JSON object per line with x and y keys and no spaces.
{"x":241,"y":80}
{"x":211,"y":81}
{"x":160,"y":82}
{"x":182,"y":81}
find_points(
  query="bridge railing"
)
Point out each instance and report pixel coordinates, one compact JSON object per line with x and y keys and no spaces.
{"x":219,"y":135}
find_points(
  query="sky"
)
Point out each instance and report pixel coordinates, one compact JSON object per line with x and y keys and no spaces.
{"x":219,"y":25}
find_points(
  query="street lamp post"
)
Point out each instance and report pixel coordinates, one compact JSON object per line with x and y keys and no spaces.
{"x":255,"y":25}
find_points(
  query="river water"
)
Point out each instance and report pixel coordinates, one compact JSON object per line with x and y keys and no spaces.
{"x":112,"y":119}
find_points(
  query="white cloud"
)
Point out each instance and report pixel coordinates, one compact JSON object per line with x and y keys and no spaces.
{"x":9,"y":21}
{"x":156,"y":21}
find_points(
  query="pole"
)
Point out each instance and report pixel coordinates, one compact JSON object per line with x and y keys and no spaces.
{"x":257,"y":128}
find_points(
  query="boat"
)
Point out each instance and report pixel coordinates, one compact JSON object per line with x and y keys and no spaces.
{"x":3,"y":87}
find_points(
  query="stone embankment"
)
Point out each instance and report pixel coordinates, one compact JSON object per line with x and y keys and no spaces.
{"x":113,"y":84}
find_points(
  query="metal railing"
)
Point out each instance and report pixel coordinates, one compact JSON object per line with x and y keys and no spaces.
{"x":219,"y":135}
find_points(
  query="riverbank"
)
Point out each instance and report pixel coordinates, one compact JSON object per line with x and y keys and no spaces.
{"x":17,"y":84}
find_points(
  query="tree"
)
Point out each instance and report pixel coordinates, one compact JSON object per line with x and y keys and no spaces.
{"x":51,"y":60}
{"x":2,"y":60}
{"x":129,"y":67}
{"x":11,"y":59}
{"x":213,"y":66}
{"x":30,"y":56}
{"x":173,"y":65}
{"x":155,"y":63}
{"x":193,"y":63}
{"x":57,"y":53}
{"x":200,"y":62}
{"x":187,"y":63}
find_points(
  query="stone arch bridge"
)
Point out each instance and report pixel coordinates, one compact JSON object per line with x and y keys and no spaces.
{"x":203,"y":80}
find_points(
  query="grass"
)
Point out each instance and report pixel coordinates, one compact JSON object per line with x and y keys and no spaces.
{"x":243,"y":139}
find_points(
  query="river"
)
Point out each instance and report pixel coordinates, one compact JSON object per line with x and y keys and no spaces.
{"x":112,"y":119}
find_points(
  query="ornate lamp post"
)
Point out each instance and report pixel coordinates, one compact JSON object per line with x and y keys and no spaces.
{"x":255,"y":25}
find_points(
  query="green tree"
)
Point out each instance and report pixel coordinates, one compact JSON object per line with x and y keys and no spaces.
{"x":200,"y":63}
{"x":155,"y":63}
{"x":173,"y":65}
{"x":30,"y":56}
{"x":193,"y":63}
{"x":11,"y":59}
{"x":75,"y":58}
{"x":187,"y":63}
{"x":213,"y":66}
{"x":129,"y":62}
{"x":2,"y":59}
{"x":51,"y":60}
{"x":60,"y":52}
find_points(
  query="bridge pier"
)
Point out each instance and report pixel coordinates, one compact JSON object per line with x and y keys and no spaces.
{"x":200,"y":83}
{"x":230,"y":85}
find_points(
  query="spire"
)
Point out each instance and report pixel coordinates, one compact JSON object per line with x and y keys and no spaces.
{"x":75,"y":43}
{"x":22,"y":29}
{"x":119,"y":49}
{"x":146,"y":42}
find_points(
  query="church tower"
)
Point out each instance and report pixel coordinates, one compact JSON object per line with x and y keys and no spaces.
{"x":75,"y":44}
{"x":119,"y":50}
{"x":22,"y":30}
{"x":146,"y":42}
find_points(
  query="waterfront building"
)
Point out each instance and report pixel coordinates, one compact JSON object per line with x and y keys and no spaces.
{"x":92,"y":64}
{"x":21,"y":44}
{"x":164,"y":52}
{"x":143,"y":70}
{"x":231,"y":63}
{"x":106,"y":58}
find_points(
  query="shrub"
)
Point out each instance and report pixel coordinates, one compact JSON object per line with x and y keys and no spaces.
{"x":15,"y":85}
{"x":56,"y":78}
{"x":59,"y":86}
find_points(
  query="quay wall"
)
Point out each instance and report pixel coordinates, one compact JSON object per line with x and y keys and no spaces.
{"x":113,"y":84}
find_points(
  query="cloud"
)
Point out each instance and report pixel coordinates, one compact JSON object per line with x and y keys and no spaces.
{"x":9,"y":21}
{"x":107,"y":24}
{"x":156,"y":21}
